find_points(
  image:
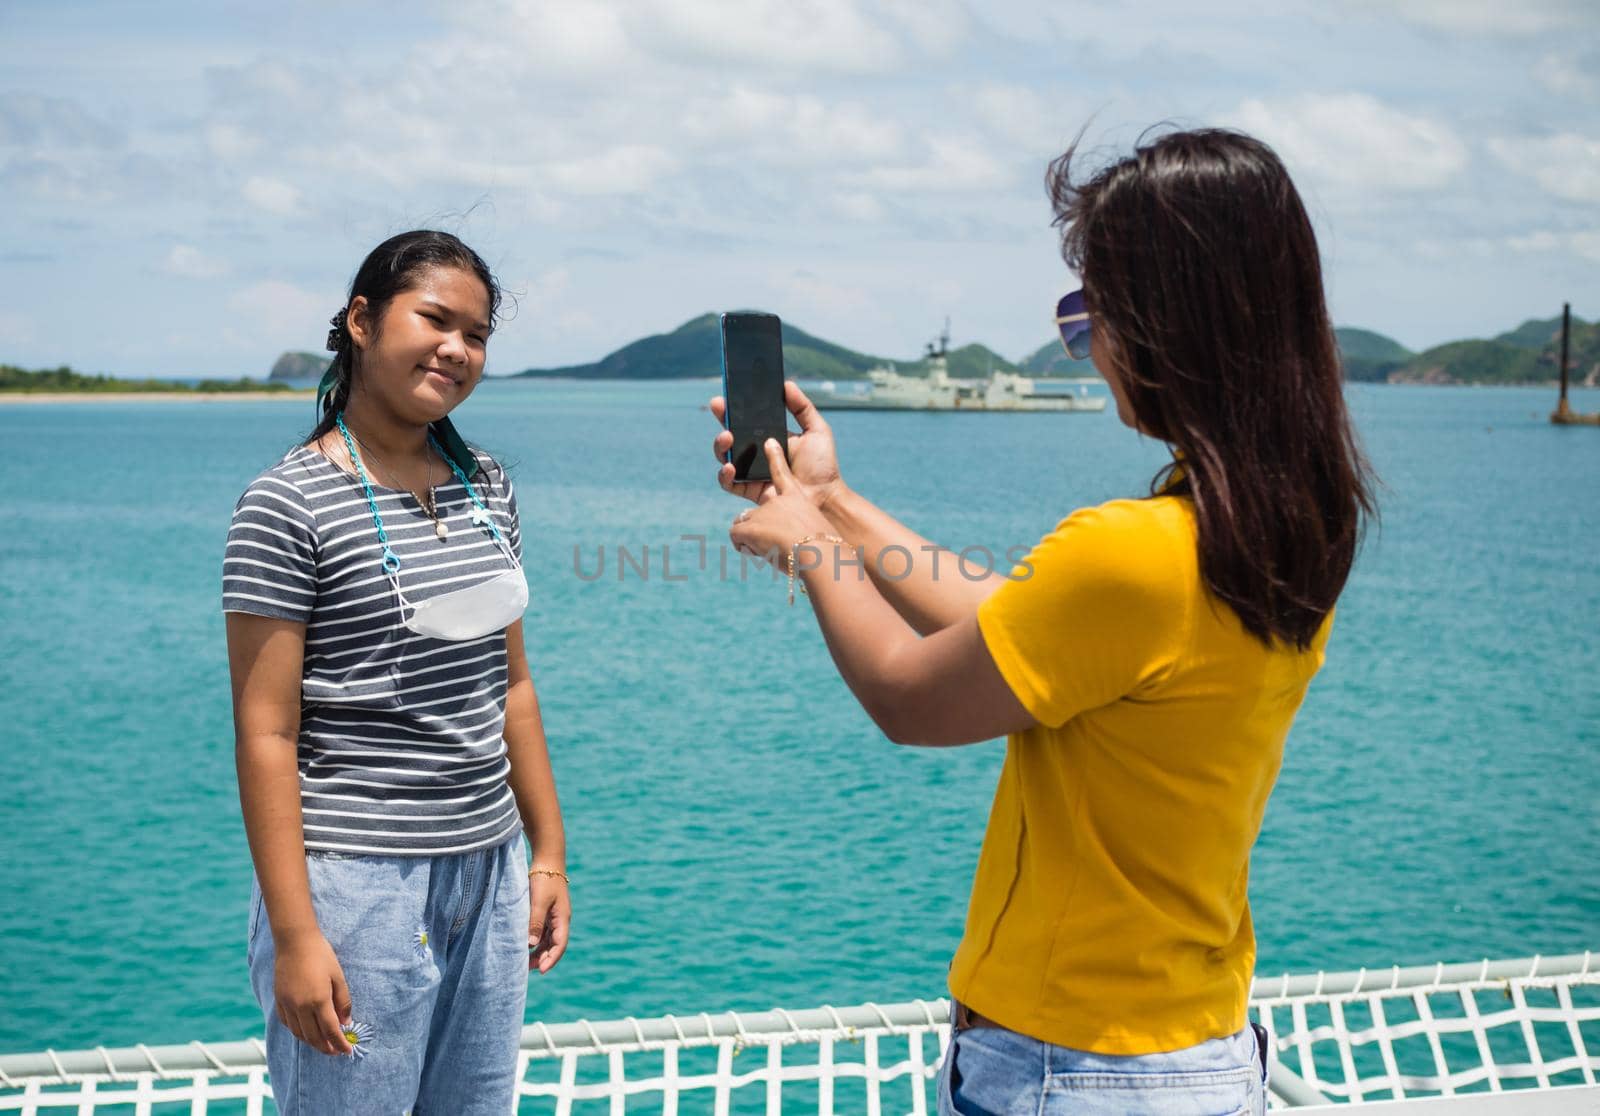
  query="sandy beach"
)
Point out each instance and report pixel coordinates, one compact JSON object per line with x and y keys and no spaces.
{"x":151,"y":396}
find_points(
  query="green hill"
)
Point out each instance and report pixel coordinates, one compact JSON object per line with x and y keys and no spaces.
{"x":1371,"y":356}
{"x":64,"y":379}
{"x":1050,"y":359}
{"x":1470,"y":362}
{"x":297,"y":368}
{"x":1366,"y":356}
{"x":1524,"y":355}
{"x":1507,"y":361}
{"x":694,"y":349}
{"x":1536,"y":333}
{"x":971,"y":362}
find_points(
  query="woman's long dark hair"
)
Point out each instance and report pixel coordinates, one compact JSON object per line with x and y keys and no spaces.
{"x":394,"y":266}
{"x":1201,"y":274}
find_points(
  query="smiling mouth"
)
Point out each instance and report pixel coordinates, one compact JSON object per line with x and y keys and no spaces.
{"x":442,"y":374}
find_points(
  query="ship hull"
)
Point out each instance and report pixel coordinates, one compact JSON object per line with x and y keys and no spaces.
{"x":1038,"y":407}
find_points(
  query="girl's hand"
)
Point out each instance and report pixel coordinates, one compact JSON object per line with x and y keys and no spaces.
{"x":785,"y":512}
{"x":812,"y":456}
{"x":549,"y":921}
{"x":312,"y":998}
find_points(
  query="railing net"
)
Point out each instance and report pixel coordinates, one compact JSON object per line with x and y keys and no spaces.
{"x":1394,"y":1034}
{"x":1346,"y":1037}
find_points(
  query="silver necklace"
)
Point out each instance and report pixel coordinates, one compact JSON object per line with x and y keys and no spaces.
{"x":441,"y":531}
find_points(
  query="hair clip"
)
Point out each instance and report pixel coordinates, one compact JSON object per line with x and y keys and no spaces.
{"x":337,"y":335}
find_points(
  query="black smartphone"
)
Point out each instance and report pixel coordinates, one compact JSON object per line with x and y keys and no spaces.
{"x":752,"y":387}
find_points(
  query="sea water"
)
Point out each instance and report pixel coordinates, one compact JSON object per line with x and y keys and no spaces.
{"x":740,"y":835}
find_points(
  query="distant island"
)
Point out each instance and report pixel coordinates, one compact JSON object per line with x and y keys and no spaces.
{"x":1525,"y":355}
{"x":64,"y":381}
{"x":299,"y":368}
{"x":694,"y":350}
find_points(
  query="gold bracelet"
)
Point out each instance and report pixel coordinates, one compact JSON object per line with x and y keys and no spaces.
{"x":793,"y":552}
{"x":562,"y":876}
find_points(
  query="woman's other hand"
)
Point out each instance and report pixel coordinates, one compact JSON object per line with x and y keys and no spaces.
{"x":549,"y":921}
{"x":812,"y":456}
{"x":313,"y":1000}
{"x":785,"y":512}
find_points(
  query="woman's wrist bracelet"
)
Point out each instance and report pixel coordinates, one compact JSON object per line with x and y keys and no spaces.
{"x":562,"y":876}
{"x":794,"y":551}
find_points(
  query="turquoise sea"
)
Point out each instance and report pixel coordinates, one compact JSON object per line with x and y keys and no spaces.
{"x":740,"y":835}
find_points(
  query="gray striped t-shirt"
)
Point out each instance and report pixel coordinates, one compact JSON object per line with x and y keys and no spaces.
{"x":400,"y":748}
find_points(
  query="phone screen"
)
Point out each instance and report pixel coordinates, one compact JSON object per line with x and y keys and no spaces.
{"x":752,"y":385}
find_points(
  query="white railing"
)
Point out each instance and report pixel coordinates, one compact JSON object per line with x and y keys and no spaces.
{"x":1471,"y":1032}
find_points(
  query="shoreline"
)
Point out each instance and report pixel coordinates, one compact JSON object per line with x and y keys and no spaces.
{"x":151,"y":396}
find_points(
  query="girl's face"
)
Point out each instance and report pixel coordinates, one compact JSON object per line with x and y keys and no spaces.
{"x":428,"y":353}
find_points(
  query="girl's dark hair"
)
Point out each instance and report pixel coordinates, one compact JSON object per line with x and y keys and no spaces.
{"x":1201,"y":269}
{"x":394,"y":266}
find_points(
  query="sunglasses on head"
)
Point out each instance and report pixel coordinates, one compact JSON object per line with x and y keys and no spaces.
{"x":1073,"y":322}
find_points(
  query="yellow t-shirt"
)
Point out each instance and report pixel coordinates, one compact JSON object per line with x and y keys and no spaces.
{"x":1109,"y":910}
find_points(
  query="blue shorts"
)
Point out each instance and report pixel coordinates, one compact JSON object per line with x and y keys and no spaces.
{"x":435,"y":952}
{"x":990,"y":1071}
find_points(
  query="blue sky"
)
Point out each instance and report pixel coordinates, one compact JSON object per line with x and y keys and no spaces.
{"x":188,"y":187}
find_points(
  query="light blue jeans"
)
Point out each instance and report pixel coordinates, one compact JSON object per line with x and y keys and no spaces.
{"x":435,"y":952}
{"x":989,"y":1071}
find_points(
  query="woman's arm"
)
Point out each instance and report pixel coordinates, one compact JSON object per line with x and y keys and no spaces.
{"x":264,"y":658}
{"x":940,"y":690}
{"x":920,"y":580}
{"x":935,"y":591}
{"x":534,"y":785}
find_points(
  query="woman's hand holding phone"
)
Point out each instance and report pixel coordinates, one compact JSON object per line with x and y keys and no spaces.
{"x":813,"y":459}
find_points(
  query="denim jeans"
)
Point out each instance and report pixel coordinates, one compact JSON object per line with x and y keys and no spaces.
{"x":435,"y":953}
{"x":989,"y":1071}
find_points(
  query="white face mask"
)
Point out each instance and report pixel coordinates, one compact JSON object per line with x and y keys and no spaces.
{"x":470,"y":613}
{"x":461,"y":614}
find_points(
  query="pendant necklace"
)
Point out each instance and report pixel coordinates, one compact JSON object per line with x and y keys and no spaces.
{"x":430,"y":506}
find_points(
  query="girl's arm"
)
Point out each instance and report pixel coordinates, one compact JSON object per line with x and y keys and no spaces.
{"x":534,"y":786}
{"x":265,"y":657}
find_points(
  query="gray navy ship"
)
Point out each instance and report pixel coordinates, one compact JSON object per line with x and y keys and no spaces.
{"x":890,"y":390}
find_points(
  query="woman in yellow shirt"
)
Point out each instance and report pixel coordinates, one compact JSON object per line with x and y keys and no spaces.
{"x":1144,"y":661}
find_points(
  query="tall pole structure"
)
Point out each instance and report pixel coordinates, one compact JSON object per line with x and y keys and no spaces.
{"x":1566,"y":330}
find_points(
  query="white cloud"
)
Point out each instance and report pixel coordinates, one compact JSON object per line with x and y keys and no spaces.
{"x":949,"y":165}
{"x":809,"y":297}
{"x":542,"y":305}
{"x":1024,"y":117}
{"x":592,"y":40}
{"x":51,"y":123}
{"x":1570,"y":75}
{"x":273,"y":195}
{"x":15,"y":329}
{"x":1487,"y":17}
{"x":189,"y":262}
{"x":1355,"y":145}
{"x":1566,"y":165}
{"x":810,"y":35}
{"x":1585,"y":243}
{"x":281,"y":313}
{"x":229,"y":142}
{"x":784,"y":130}
{"x":628,"y":169}
{"x":857,"y":205}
